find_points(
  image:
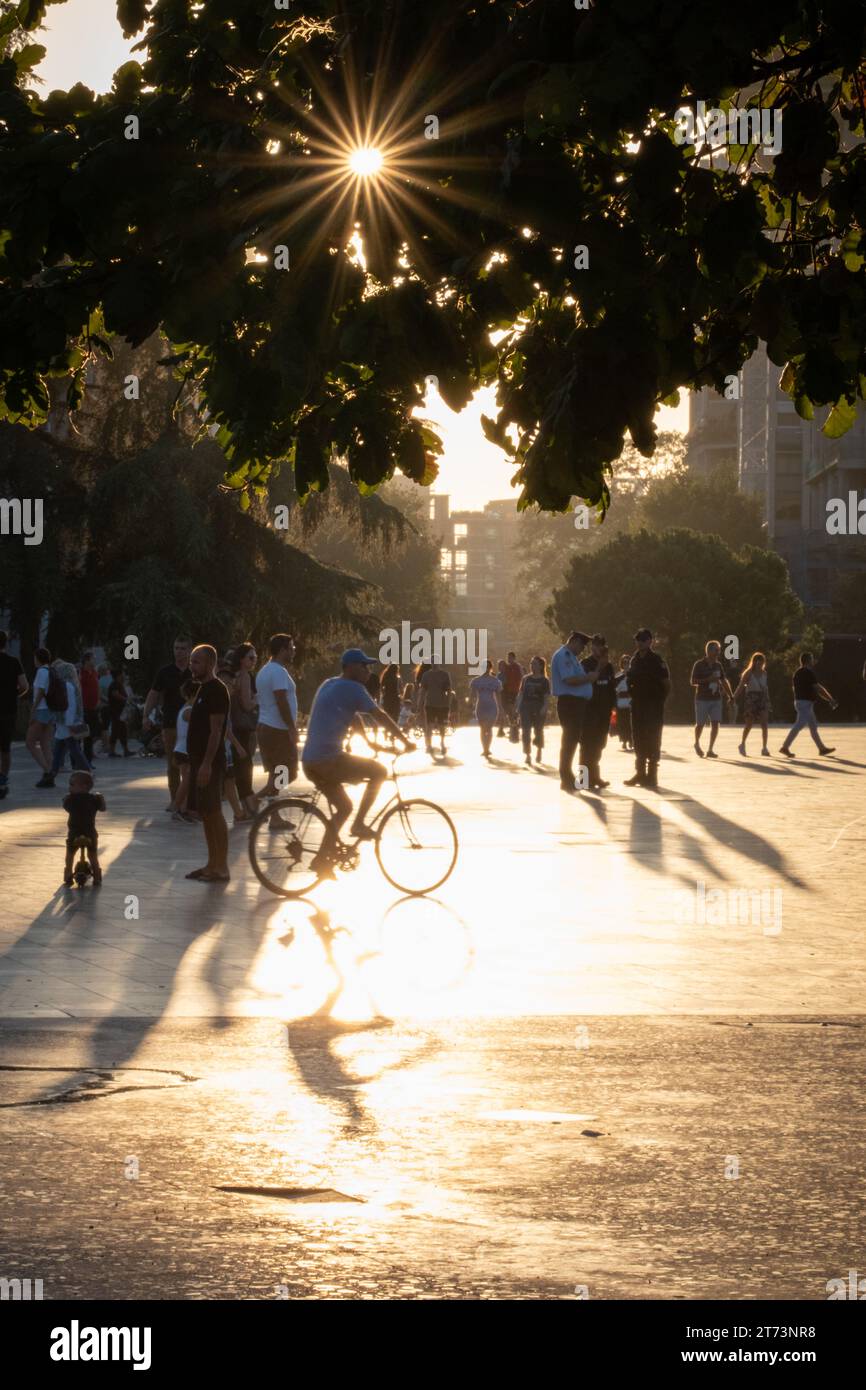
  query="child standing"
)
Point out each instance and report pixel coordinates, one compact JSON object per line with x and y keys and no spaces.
{"x":82,"y":804}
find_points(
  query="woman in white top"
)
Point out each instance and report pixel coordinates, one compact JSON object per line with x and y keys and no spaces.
{"x":757,"y":707}
{"x":188,"y":690}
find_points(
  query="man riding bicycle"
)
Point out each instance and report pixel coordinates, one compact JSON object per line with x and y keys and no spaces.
{"x":338,"y":702}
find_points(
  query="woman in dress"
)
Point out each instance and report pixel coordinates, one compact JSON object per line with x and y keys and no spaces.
{"x":753,"y":683}
{"x":487,"y":690}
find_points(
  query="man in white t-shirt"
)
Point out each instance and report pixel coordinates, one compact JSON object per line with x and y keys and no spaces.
{"x":277,"y":729}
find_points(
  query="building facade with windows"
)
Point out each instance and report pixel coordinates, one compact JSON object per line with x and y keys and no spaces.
{"x":791,"y":466}
{"x":476,"y":556}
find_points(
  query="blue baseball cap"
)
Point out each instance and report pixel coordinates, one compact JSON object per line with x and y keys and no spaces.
{"x":355,"y":657}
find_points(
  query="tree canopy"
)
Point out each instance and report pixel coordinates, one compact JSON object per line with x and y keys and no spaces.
{"x":533,"y":186}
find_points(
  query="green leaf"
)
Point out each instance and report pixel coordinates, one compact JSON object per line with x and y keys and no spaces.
{"x":804,"y":407}
{"x":29,"y":56}
{"x":840,"y":419}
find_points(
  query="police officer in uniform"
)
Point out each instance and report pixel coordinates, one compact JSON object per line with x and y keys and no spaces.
{"x":649,"y":684}
{"x":596,"y":719}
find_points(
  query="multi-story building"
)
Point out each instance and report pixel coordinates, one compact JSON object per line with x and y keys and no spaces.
{"x":476,"y":557}
{"x":791,"y":465}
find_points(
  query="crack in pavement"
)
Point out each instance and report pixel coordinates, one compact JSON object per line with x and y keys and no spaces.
{"x":94,"y":1089}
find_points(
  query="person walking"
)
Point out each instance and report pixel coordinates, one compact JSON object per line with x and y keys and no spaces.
{"x":407,"y":706}
{"x":40,"y":730}
{"x":206,"y":746}
{"x":487,"y":690}
{"x":69,"y":725}
{"x":435,"y":687}
{"x":13,"y":687}
{"x":244,"y":719}
{"x":596,"y":720}
{"x":390,"y":691}
{"x":807,"y":690}
{"x":89,"y":682}
{"x":511,"y":675}
{"x":649,"y":684}
{"x":188,"y":693}
{"x":531,"y":708}
{"x":709,"y":683}
{"x":118,"y":699}
{"x":572,"y":687}
{"x":277,"y":729}
{"x":623,"y":705}
{"x":165,"y":693}
{"x":754,"y":686}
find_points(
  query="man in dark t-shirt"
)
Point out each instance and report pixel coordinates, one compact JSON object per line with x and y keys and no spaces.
{"x":649,"y":684}
{"x":807,"y":690}
{"x":165,"y":691}
{"x":435,"y":687}
{"x":13,"y":684}
{"x":207,"y":756}
{"x":596,"y":719}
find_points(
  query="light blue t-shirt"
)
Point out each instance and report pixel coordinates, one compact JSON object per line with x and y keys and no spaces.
{"x":564,"y":663}
{"x":337,"y":702}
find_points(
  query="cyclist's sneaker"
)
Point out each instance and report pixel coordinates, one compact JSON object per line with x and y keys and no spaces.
{"x":363,"y":832}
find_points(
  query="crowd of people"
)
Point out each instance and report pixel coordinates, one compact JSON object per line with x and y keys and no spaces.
{"x":212,"y":712}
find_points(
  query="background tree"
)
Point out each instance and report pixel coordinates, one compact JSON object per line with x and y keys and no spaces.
{"x":142,"y":538}
{"x":687,"y":588}
{"x":713,"y":504}
{"x":557,"y":131}
{"x":548,"y":542}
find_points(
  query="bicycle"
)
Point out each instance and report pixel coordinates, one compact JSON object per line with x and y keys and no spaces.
{"x":293,"y":845}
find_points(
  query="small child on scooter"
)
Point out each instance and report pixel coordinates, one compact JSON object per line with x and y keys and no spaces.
{"x":82,"y":803}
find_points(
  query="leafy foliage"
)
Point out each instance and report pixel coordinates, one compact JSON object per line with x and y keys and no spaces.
{"x":556,"y":131}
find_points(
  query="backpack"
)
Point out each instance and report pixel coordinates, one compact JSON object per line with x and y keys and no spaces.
{"x":56,"y":697}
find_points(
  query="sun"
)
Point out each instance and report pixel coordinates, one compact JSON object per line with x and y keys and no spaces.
{"x":366,"y":161}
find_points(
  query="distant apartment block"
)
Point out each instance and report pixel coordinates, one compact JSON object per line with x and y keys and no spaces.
{"x":790,"y":465}
{"x":476,"y":555}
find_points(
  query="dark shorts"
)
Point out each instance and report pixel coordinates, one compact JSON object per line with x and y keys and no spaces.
{"x":278,"y":749}
{"x":437,"y":717}
{"x":206,"y":800}
{"x":73,"y":835}
{"x":345,"y":768}
{"x":7,"y":730}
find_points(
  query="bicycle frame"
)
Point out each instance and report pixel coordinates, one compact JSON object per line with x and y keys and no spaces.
{"x":317,"y":795}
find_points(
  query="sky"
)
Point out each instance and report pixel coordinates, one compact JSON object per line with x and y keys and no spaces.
{"x":84,"y":44}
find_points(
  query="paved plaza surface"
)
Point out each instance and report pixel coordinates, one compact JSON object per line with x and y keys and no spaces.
{"x":618,"y":1054}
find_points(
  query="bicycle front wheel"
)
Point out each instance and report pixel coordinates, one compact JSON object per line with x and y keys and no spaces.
{"x":416,"y":846}
{"x":288,"y":846}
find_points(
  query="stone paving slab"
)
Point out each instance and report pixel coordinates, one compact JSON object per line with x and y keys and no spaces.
{"x":513,"y":1158}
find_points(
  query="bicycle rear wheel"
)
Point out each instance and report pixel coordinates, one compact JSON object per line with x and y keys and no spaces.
{"x":416,"y":846}
{"x":288,"y":846}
